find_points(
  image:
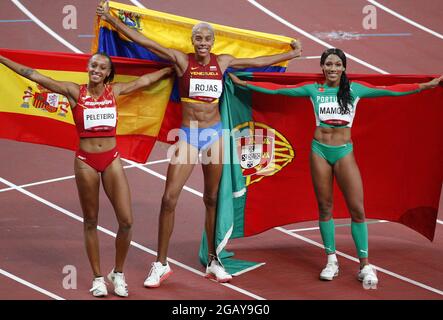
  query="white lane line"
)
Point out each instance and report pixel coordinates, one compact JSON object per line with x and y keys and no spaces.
{"x":112,"y":234}
{"x":439,"y":221}
{"x":155,"y":162}
{"x":30,"y":285}
{"x":407,"y":20}
{"x":71,"y":177}
{"x":44,"y":26}
{"x":308,"y":58}
{"x":38,"y":183}
{"x":310,"y":36}
{"x":158,"y":175}
{"x":337,"y":225}
{"x":395,"y":275}
{"x":138,"y":4}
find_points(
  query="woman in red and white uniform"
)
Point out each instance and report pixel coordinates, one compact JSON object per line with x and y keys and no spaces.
{"x":200,"y":75}
{"x":95,"y":115}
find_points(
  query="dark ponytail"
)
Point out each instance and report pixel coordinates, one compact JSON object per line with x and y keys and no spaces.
{"x":344,"y":97}
{"x":344,"y":94}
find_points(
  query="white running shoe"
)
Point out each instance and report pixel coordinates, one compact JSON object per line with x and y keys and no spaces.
{"x":368,"y":275}
{"x":157,"y":275}
{"x":330,"y":271}
{"x":216,"y":271}
{"x":99,"y":287}
{"x":118,"y":280}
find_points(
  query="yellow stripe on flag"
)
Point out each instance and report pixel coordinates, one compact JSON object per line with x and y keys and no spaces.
{"x":174,"y":32}
{"x":142,"y":112}
{"x":139,"y":113}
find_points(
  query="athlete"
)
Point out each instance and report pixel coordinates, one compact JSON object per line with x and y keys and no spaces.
{"x":95,"y":115}
{"x":200,"y":80}
{"x":335,"y":102}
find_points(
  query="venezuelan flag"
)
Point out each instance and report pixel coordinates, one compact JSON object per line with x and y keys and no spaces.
{"x":30,"y":113}
{"x":174,"y":32}
{"x":398,"y":146}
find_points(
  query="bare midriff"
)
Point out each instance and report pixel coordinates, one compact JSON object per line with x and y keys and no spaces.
{"x":206,"y":114}
{"x":333,"y":136}
{"x":97,"y":145}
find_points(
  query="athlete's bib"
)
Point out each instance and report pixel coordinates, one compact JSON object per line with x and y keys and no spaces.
{"x":210,"y":88}
{"x":329,"y":113}
{"x":100,"y":119}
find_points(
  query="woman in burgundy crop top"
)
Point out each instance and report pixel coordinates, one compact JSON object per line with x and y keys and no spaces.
{"x":95,"y":115}
{"x":200,"y":75}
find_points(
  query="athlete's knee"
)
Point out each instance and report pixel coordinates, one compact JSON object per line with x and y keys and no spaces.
{"x":357,"y":215}
{"x":125,"y":225}
{"x":90,"y":223}
{"x":210,"y":200}
{"x":169,"y":202}
{"x":325,"y":209}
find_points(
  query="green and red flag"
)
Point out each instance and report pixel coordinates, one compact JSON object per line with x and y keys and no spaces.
{"x":266,"y":179}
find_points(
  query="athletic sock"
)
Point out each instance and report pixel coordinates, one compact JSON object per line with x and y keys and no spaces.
{"x":327,"y":230}
{"x":360,"y":235}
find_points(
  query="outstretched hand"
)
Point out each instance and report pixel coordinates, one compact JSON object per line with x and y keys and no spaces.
{"x":431,"y":84}
{"x":103,"y":10}
{"x":435,"y":82}
{"x":296,"y":47}
{"x":236,"y":80}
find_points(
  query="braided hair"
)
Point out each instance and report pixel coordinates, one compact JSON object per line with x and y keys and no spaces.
{"x":344,"y":92}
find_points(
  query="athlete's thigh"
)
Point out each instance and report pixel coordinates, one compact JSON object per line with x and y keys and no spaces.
{"x":322,"y":178}
{"x":180,"y":167}
{"x":212,"y":165}
{"x":116,"y":187}
{"x":349,"y":180}
{"x":88,"y":185}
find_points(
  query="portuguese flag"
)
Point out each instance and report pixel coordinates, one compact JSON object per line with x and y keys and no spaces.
{"x":31,"y":113}
{"x":266,"y":179}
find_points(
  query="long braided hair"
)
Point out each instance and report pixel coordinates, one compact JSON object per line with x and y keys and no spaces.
{"x":344,"y":92}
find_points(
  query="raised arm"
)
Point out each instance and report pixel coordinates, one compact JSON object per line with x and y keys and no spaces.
{"x":366,"y":90}
{"x":301,"y":90}
{"x":172,"y":55}
{"x":230,"y":61}
{"x":121,"y":88}
{"x":68,"y":89}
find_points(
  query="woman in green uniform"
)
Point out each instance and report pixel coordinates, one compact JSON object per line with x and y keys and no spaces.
{"x":335,"y":102}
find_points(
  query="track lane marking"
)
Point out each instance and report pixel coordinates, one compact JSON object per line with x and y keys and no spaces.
{"x":30,"y":285}
{"x":45,"y":27}
{"x":407,"y":20}
{"x":72,"y":176}
{"x":310,"y":36}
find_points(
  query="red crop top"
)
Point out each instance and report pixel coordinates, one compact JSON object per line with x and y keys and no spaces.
{"x":202,"y":83}
{"x":95,"y":117}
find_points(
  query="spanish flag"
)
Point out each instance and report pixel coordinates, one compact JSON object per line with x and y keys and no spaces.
{"x":31,"y":113}
{"x":175,"y":32}
{"x":266,"y":181}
